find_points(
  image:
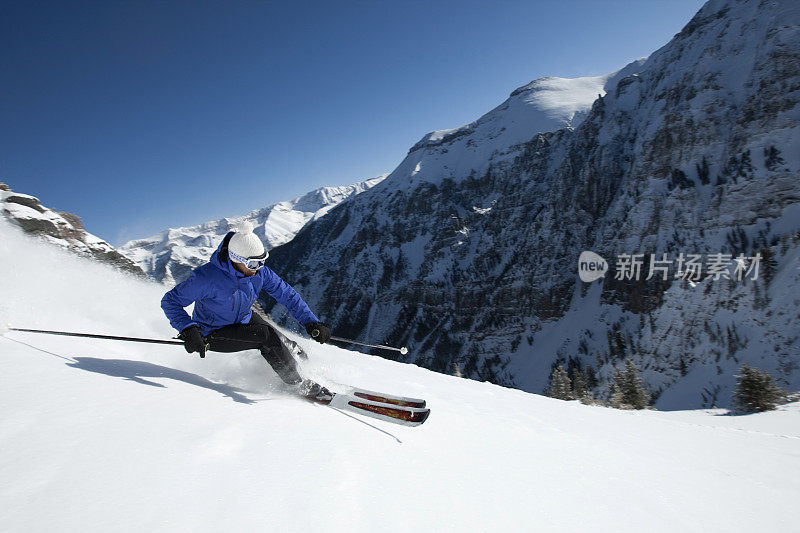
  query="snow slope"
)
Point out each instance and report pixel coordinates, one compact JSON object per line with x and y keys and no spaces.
{"x":111,"y":436}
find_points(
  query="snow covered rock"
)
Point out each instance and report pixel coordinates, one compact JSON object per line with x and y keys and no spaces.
{"x":62,"y":229}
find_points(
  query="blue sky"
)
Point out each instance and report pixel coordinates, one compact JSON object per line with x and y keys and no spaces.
{"x":144,"y":115}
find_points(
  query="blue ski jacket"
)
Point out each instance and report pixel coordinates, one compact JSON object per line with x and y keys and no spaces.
{"x":223,"y":296}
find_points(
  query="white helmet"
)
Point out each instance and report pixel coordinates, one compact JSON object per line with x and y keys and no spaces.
{"x":246,"y":245}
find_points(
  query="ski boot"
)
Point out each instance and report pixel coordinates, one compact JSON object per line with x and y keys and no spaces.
{"x":314,"y":391}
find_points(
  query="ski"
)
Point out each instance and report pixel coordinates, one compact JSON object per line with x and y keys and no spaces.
{"x":386,"y":407}
{"x":406,"y":416}
{"x":381,"y":397}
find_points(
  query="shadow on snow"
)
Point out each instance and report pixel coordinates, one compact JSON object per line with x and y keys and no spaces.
{"x":139,"y":370}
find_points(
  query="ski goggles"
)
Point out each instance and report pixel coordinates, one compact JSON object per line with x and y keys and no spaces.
{"x":252,"y":263}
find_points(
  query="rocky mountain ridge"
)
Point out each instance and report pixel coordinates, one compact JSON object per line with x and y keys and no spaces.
{"x":59,"y":228}
{"x":467,"y":253}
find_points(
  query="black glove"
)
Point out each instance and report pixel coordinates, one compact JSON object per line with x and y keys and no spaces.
{"x":319,"y":332}
{"x":193,"y":340}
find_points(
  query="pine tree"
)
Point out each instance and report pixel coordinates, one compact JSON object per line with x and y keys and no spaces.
{"x":618,"y":391}
{"x":756,"y":391}
{"x":579,"y":389}
{"x":591,"y":377}
{"x":560,"y":386}
{"x":627,"y":391}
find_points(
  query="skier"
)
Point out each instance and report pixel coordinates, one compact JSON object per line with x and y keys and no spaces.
{"x":223,"y":291}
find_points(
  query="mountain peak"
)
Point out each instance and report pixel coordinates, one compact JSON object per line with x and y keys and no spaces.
{"x":544,"y":105}
{"x":172,"y":254}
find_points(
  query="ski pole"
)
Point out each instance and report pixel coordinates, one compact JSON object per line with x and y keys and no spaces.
{"x":112,"y":337}
{"x":95,"y":336}
{"x":402,"y":350}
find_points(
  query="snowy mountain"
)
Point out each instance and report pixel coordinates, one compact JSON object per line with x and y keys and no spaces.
{"x":64,"y":229}
{"x":109,"y":436}
{"x":468,"y":252}
{"x":171,"y":255}
{"x":544,"y":105}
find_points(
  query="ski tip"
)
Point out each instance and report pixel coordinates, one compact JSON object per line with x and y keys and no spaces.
{"x":399,"y":415}
{"x":4,"y":328}
{"x":392,"y":400}
{"x":418,"y":418}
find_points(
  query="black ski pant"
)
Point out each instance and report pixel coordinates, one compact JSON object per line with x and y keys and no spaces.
{"x":256,"y":334}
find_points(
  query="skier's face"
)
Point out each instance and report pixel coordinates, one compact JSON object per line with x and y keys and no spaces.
{"x":243,"y":269}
